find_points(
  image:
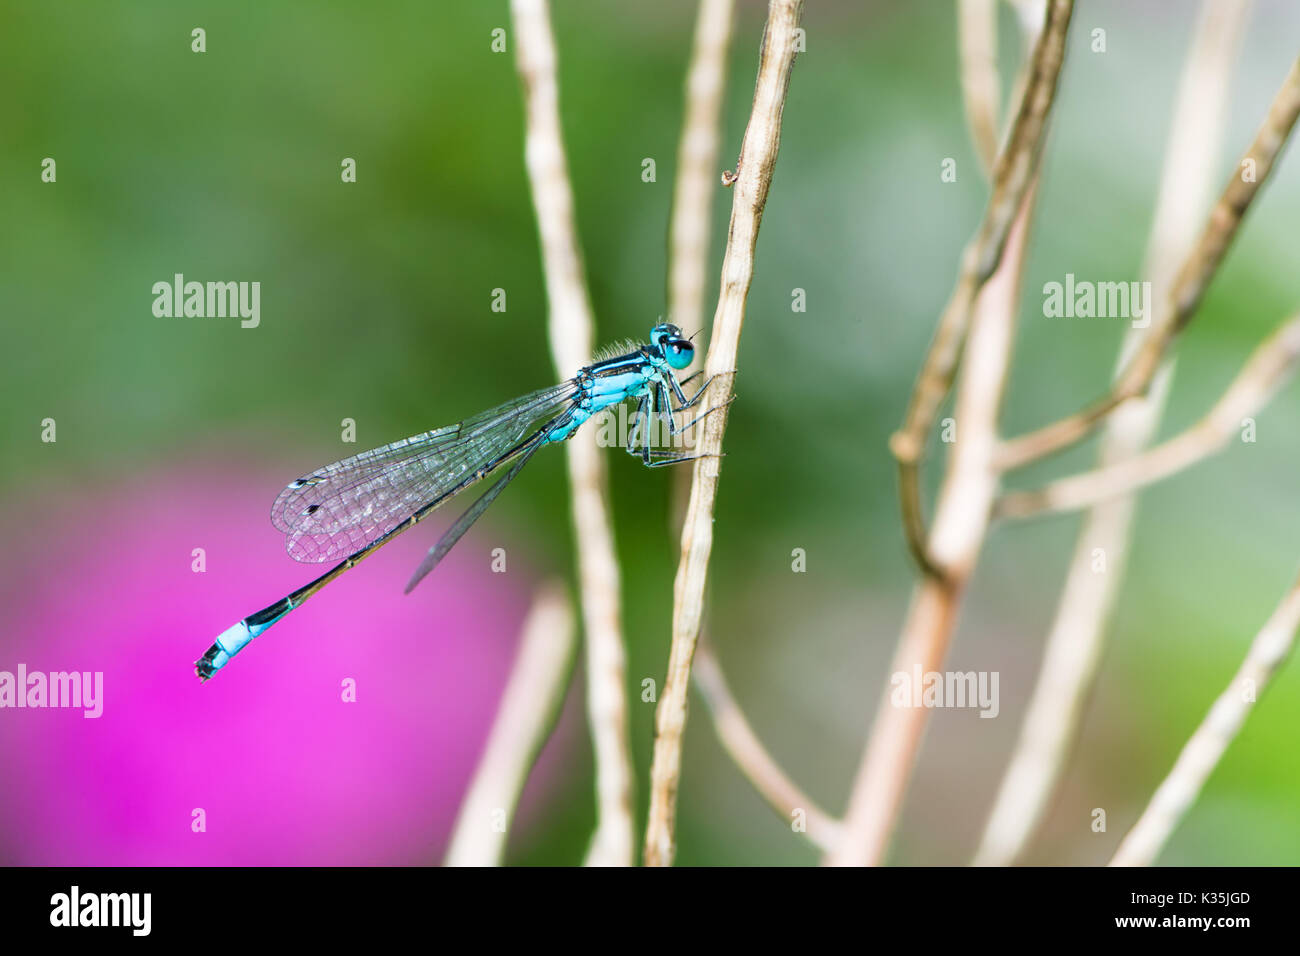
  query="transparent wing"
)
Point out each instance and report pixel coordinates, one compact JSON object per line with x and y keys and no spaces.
{"x":340,"y":508}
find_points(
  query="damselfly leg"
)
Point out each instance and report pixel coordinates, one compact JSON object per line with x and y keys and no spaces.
{"x":657,"y":403}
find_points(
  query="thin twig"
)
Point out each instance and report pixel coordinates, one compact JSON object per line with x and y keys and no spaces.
{"x":1207,"y":745}
{"x":1074,"y":644}
{"x":757,"y":162}
{"x":1188,"y":288}
{"x":1267,"y":370}
{"x":960,"y":525}
{"x":528,"y":711}
{"x":571,"y":331}
{"x":1011,"y":178}
{"x":977,"y":41}
{"x":752,"y":758}
{"x":697,"y":165}
{"x":697,"y":160}
{"x":697,"y":170}
{"x":961,"y":519}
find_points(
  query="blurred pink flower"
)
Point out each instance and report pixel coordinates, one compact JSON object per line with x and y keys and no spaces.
{"x":284,"y":770}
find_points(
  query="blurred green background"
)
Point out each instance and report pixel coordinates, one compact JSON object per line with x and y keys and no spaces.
{"x":376,"y":306}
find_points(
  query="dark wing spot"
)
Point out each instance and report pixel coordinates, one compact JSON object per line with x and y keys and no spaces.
{"x":311,"y":510}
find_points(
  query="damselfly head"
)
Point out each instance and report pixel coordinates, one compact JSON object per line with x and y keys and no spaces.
{"x":676,"y":349}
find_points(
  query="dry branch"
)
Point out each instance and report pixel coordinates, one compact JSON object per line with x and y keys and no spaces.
{"x":1188,"y":288}
{"x":970,"y":485}
{"x":960,"y":525}
{"x":528,"y":710}
{"x":1011,"y":177}
{"x":1074,"y":643}
{"x":571,"y":331}
{"x":757,"y":161}
{"x":1267,"y":370}
{"x":697,"y":165}
{"x":977,"y":40}
{"x":1207,"y":745}
{"x":751,"y":757}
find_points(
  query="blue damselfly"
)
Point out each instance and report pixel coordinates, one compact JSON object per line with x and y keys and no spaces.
{"x":353,"y":507}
